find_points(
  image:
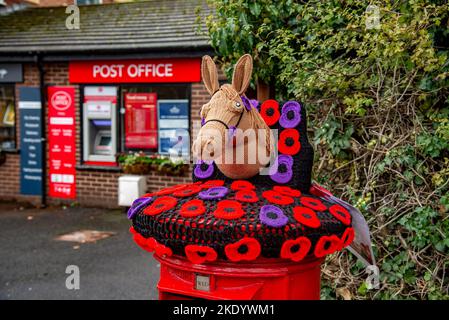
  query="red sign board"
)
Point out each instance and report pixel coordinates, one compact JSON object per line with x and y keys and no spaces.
{"x":141,"y":120}
{"x":135,"y":71}
{"x":61,"y":142}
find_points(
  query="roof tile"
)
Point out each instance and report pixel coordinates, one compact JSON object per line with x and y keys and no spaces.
{"x":154,"y":24}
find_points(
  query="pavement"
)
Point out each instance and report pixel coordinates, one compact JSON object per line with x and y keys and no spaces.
{"x":33,"y":264}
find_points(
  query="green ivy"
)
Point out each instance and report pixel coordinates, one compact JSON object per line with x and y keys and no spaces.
{"x":378,"y":101}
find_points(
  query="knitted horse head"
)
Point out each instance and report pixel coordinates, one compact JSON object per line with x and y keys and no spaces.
{"x":233,"y":134}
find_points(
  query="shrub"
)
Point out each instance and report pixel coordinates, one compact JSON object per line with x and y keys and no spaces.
{"x":378,"y":102}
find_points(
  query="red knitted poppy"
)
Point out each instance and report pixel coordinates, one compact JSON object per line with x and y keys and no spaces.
{"x":306,"y":216}
{"x":160,"y":205}
{"x":212,"y":183}
{"x":277,"y":198}
{"x":296,"y":250}
{"x":242,"y":185}
{"x":146,"y":244}
{"x":162,"y":250}
{"x":200,"y":254}
{"x":244,"y":249}
{"x":287,"y":191}
{"x":187,"y":191}
{"x":228,"y":210}
{"x":192,"y":208}
{"x":289,"y":142}
{"x":326,"y":245}
{"x":341,"y":214}
{"x":246,"y":196}
{"x":170,"y":190}
{"x":347,"y":238}
{"x":269,"y":110}
{"x":312,"y":203}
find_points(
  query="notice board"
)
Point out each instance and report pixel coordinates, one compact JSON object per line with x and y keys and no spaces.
{"x":141,"y":120}
{"x":61,"y":142}
{"x":174,"y":137}
{"x":30,"y":141}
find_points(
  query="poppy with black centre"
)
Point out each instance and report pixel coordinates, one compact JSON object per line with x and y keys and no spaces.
{"x":244,"y":249}
{"x":277,"y":198}
{"x":270,"y":112}
{"x":160,"y":205}
{"x":228,"y":210}
{"x":289,"y":142}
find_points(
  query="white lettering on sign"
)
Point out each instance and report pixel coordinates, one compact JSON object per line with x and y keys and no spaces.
{"x":108,"y":71}
{"x":161,"y":70}
{"x":61,"y":100}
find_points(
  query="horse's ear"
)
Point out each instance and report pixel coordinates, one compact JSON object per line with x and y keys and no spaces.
{"x":242,"y":73}
{"x":210,"y":75}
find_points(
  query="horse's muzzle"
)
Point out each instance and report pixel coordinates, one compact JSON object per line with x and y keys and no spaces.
{"x":209,"y":143}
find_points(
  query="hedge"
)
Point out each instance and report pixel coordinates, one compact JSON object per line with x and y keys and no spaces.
{"x":377,"y":98}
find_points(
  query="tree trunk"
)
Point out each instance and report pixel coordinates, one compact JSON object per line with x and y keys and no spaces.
{"x":264,"y":91}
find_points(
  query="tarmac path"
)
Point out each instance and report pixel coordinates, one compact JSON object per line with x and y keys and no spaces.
{"x":33,"y":264}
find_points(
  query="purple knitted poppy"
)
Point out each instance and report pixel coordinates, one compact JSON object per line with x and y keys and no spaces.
{"x":272,"y":216}
{"x":246,"y":103}
{"x":138,"y":204}
{"x":291,"y":114}
{"x":213,"y":193}
{"x":282,"y":171}
{"x":254,"y":103}
{"x":203,"y":169}
{"x":203,"y":121}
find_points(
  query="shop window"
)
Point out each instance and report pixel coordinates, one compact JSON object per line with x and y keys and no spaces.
{"x":7,"y":118}
{"x":155,"y":119}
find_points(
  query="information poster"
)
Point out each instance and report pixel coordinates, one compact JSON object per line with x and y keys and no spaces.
{"x":61,"y":142}
{"x":361,"y":247}
{"x":174,"y":138}
{"x":30,"y":141}
{"x":141,"y":120}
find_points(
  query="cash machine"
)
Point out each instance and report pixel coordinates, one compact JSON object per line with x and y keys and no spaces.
{"x":100,"y":124}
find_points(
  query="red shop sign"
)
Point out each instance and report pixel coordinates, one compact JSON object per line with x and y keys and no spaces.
{"x":61,"y":142}
{"x":135,"y":71}
{"x":141,"y":120}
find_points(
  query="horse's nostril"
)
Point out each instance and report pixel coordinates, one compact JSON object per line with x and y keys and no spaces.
{"x":209,"y":146}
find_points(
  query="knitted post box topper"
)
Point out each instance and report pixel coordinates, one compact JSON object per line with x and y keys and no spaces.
{"x":231,"y":211}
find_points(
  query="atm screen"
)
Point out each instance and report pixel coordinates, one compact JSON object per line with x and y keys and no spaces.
{"x":105,"y":141}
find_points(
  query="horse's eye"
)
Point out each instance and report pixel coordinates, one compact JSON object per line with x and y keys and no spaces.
{"x":238,"y":105}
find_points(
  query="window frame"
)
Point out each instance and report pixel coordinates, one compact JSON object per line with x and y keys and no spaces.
{"x":16,"y":147}
{"x":84,"y":161}
{"x":121,"y":119}
{"x":120,"y":130}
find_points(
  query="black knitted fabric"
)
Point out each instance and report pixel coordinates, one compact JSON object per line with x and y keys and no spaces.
{"x":175,"y":231}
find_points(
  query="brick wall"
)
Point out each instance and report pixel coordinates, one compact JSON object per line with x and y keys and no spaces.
{"x":94,"y":188}
{"x":10,"y":174}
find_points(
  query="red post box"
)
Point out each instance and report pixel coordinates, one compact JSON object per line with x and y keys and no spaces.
{"x":262,"y":279}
